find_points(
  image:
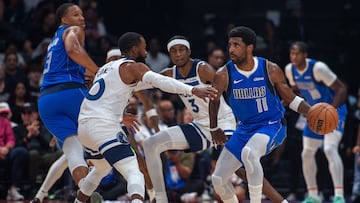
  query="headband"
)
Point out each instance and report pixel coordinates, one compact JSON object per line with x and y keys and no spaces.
{"x":113,"y":52}
{"x":178,"y":42}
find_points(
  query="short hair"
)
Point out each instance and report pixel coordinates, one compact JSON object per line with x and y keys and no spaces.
{"x":302,"y":46}
{"x":62,"y":10}
{"x":129,"y":40}
{"x":247,"y":34}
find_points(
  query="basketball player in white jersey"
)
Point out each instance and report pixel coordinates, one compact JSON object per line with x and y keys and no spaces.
{"x":101,"y":110}
{"x":194,"y":136}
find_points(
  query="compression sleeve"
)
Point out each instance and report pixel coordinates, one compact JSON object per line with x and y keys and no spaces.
{"x":166,"y":84}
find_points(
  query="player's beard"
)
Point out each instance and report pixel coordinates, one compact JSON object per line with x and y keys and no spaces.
{"x":140,"y":59}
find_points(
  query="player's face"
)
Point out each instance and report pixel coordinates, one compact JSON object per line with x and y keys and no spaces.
{"x":141,"y":51}
{"x":74,"y":16}
{"x":179,"y":55}
{"x":237,"y":50}
{"x":297,"y":57}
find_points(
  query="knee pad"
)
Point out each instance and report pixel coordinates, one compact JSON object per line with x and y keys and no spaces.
{"x":74,"y":153}
{"x":218,"y":184}
{"x":245,"y":156}
{"x":330,"y":151}
{"x":89,"y":184}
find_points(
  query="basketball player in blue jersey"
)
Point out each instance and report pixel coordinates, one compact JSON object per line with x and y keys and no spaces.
{"x":63,"y":89}
{"x":194,"y":136}
{"x":314,"y":81}
{"x":253,"y":87}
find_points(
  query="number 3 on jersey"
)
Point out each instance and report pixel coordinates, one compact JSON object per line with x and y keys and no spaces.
{"x":195,"y":108}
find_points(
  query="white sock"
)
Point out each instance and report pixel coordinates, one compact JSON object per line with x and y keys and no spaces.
{"x":339,"y":192}
{"x":136,"y":201}
{"x":313,"y":192}
{"x":151,"y":193}
{"x":78,"y":201}
{"x":255,"y":192}
{"x":284,"y":201}
{"x":41,"y":194}
{"x":232,"y":200}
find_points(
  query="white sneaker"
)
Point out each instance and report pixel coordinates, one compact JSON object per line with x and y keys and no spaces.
{"x":291,"y":197}
{"x":14,"y":195}
{"x":189,"y":197}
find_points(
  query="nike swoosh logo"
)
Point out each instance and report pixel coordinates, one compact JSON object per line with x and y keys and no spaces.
{"x":272,"y":122}
{"x":237,"y":81}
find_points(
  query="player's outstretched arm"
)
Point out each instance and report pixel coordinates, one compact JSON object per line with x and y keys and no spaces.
{"x":220,"y":83}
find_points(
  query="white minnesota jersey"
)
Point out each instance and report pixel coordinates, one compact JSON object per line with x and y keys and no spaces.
{"x":108,"y":96}
{"x":197,"y":106}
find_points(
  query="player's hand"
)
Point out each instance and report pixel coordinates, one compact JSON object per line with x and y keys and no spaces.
{"x":356,"y":149}
{"x":131,"y":122}
{"x":218,"y":136}
{"x":205,"y":92}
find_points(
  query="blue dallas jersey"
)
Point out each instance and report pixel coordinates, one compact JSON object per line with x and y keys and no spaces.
{"x":252,"y":98}
{"x":59,"y":67}
{"x":313,"y":91}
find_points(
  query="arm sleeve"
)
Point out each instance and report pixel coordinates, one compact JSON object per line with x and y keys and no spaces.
{"x":166,"y":84}
{"x":322,"y":73}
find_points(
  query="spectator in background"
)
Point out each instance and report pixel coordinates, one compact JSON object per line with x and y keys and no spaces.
{"x":94,"y":30}
{"x":33,"y":135}
{"x":167,"y":113}
{"x":34,"y":78}
{"x":4,"y":88}
{"x":18,"y":97}
{"x":37,"y":31}
{"x":179,"y":185}
{"x":156,"y":59}
{"x":12,"y":47}
{"x":13,"y":70}
{"x":13,"y":159}
{"x":104,"y":45}
{"x":39,"y":54}
{"x":216,"y":57}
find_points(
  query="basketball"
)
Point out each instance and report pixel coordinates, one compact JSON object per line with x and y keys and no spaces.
{"x":322,"y":118}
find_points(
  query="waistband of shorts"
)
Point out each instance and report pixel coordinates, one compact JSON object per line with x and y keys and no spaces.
{"x":61,"y":87}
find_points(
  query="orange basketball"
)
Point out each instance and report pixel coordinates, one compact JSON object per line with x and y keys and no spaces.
{"x":322,"y":118}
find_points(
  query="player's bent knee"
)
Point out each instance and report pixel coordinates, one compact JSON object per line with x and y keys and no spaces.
{"x":246,"y":158}
{"x":330,"y":151}
{"x":307,"y":153}
{"x":218,"y":184}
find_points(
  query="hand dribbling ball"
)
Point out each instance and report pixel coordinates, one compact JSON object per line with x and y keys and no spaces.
{"x":322,"y":118}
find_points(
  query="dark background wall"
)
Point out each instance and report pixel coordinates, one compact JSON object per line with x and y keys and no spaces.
{"x":331,"y":27}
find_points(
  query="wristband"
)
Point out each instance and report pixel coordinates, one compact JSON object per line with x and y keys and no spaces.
{"x":150,"y":113}
{"x":214,"y":129}
{"x":295,"y":103}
